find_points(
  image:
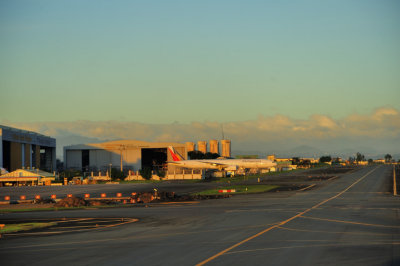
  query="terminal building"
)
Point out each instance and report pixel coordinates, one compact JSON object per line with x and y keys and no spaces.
{"x":26,"y":149}
{"x":121,"y":154}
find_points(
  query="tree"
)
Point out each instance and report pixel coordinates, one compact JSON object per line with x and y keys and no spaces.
{"x":295,"y":160}
{"x":198,"y":155}
{"x":70,"y":173}
{"x":325,"y":159}
{"x":388,"y":158}
{"x":360,"y":157}
{"x":117,"y":174}
{"x":59,"y":165}
{"x":210,"y":155}
{"x":195,"y":155}
{"x":160,"y":173}
{"x":146,"y":173}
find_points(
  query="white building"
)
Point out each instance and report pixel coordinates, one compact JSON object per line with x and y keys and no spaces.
{"x":121,"y":154}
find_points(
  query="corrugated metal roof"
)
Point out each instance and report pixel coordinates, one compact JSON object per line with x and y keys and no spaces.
{"x":27,"y":173}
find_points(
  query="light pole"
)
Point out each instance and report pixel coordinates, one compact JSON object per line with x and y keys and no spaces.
{"x":110,"y":170}
{"x":121,"y":148}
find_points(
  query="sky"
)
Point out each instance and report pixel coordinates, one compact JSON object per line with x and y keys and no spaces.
{"x":166,"y":63}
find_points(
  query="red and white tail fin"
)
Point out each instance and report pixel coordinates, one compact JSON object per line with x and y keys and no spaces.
{"x":175,"y":156}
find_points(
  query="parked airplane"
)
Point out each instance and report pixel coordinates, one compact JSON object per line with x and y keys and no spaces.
{"x":220,"y":164}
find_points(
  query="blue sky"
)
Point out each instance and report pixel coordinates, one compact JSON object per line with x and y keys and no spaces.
{"x":165,"y":61}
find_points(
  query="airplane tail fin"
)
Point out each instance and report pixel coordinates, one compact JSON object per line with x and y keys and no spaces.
{"x":175,"y":156}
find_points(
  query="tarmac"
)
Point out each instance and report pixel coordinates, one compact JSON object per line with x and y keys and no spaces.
{"x":349,"y":220}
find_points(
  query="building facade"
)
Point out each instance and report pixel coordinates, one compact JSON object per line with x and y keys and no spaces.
{"x":214,"y":146}
{"x":226,"y":148}
{"x":26,"y":149}
{"x":121,"y":154}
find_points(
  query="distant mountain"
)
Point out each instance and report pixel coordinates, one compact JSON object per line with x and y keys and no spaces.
{"x":304,"y":151}
{"x":310,"y":151}
{"x":299,"y":151}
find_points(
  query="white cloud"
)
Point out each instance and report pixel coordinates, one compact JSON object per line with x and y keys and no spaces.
{"x":382,"y":125}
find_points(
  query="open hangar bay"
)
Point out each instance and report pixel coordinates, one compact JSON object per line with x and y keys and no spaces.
{"x":123,"y":154}
{"x":351,"y":220}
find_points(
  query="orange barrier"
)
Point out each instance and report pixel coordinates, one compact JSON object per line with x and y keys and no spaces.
{"x":102,"y":195}
{"x":226,"y":190}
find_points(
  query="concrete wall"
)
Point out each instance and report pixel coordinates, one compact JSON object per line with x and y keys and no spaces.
{"x":27,"y":155}
{"x":73,"y":159}
{"x":22,"y":144}
{"x":190,"y":146}
{"x":132,"y":159}
{"x":202,"y":146}
{"x":226,"y":148}
{"x":15,"y":156}
{"x":99,"y":159}
{"x":37,"y":156}
{"x":214,"y":147}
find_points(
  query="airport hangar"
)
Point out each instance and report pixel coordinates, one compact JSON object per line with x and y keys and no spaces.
{"x":26,"y":149}
{"x":121,"y":154}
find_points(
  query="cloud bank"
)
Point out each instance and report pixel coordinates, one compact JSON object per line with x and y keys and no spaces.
{"x":377,"y":132}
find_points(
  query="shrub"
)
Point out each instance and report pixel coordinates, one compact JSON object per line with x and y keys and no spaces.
{"x":161,"y":174}
{"x":146,"y":173}
{"x":117,"y":174}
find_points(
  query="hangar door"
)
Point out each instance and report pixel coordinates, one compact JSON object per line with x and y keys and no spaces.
{"x":154,"y":158}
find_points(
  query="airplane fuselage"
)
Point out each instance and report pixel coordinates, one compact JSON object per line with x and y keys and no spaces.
{"x":225,"y":164}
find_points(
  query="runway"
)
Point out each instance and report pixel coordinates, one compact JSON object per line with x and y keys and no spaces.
{"x":350,"y":220}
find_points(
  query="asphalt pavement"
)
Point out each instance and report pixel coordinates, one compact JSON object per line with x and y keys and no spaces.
{"x":351,"y":220}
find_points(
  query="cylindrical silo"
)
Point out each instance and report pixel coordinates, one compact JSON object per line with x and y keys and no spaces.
{"x":214,"y":146}
{"x":202,"y":146}
{"x":190,"y":146}
{"x":226,"y":148}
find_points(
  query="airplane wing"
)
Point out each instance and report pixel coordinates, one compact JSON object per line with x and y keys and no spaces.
{"x":215,"y":164}
{"x":205,"y":163}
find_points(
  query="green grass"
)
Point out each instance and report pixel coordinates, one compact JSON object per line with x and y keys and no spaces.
{"x":12,"y":228}
{"x":241,"y":178}
{"x":242,"y":189}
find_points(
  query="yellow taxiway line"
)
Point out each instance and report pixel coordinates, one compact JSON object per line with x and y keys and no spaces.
{"x":283,"y":222}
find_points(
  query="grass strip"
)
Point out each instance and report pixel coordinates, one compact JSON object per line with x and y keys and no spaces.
{"x":12,"y":228}
{"x":241,"y":178}
{"x":69,"y":208}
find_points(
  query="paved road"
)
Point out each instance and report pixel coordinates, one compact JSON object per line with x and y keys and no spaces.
{"x":96,"y":190}
{"x":351,"y":220}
